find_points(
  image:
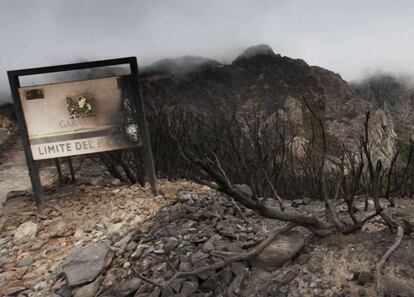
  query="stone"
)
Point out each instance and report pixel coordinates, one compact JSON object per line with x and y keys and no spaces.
{"x":295,"y":203}
{"x":89,"y":225}
{"x":209,"y":284}
{"x":209,"y":246}
{"x":115,"y":229}
{"x":15,"y":194}
{"x":5,"y":240}
{"x":25,"y":232}
{"x":3,"y":260}
{"x":245,"y":189}
{"x":116,"y":182}
{"x":198,"y":256}
{"x":79,"y":234}
{"x":88,"y":290}
{"x":60,"y":229}
{"x":20,"y":272}
{"x":306,"y":200}
{"x":206,"y":274}
{"x":225,"y":276}
{"x":131,"y":246}
{"x":236,"y":283}
{"x":25,"y":261}
{"x":127,"y":287}
{"x":138,"y":252}
{"x":171,"y":244}
{"x":14,"y":290}
{"x":109,"y":280}
{"x":238,"y":268}
{"x":86,"y":263}
{"x":188,"y":288}
{"x":122,"y":244}
{"x":65,"y":290}
{"x":39,"y":286}
{"x":96,"y":181}
{"x":283,"y":248}
{"x":136,"y":235}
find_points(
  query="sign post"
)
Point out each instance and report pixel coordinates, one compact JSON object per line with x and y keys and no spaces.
{"x":80,"y":117}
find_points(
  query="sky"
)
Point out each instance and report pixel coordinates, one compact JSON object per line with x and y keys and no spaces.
{"x":353,"y":37}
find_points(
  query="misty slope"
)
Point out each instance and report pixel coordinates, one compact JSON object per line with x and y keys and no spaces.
{"x":260,"y":77}
{"x":395,"y":95}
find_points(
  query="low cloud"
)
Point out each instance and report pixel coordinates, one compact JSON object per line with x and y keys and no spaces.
{"x":350,"y":37}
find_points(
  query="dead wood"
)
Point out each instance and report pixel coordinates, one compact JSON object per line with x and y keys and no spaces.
{"x":222,"y":263}
{"x":378,"y":275}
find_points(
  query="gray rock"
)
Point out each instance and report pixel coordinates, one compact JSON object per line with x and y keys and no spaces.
{"x":171,"y":244}
{"x":27,"y":260}
{"x":65,"y":290}
{"x":15,"y":194}
{"x":86,"y":263}
{"x":283,"y":248}
{"x":60,"y":229}
{"x":306,"y":200}
{"x":236,"y":283}
{"x":209,"y":284}
{"x":225,"y":276}
{"x":5,"y":240}
{"x":198,"y":256}
{"x":125,"y":288}
{"x":238,"y":268}
{"x":88,"y":290}
{"x":188,"y":288}
{"x":297,"y":202}
{"x":244,"y":189}
{"x":115,"y":182}
{"x":3,"y":260}
{"x":206,"y":274}
{"x":25,"y":232}
{"x":79,"y":234}
{"x":39,"y":286}
{"x":138,"y":253}
{"x":96,"y":181}
{"x":14,"y":290}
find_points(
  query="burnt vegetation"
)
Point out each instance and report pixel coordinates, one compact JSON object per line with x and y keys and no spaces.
{"x":227,"y":148}
{"x":261,"y":160}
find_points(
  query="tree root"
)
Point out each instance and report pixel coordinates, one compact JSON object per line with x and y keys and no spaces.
{"x":166,"y":285}
{"x":379,"y":284}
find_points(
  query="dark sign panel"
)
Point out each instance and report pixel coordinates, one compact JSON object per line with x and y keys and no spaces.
{"x":78,"y":117}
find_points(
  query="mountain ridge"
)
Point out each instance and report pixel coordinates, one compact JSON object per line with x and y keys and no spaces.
{"x":278,"y":84}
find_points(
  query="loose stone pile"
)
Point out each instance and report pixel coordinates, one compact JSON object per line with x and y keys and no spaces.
{"x":121,"y":241}
{"x":113,"y":238}
{"x":185,"y":237}
{"x":33,"y":246}
{"x":182,"y":238}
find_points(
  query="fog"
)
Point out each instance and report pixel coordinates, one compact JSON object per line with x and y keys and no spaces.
{"x":350,"y":37}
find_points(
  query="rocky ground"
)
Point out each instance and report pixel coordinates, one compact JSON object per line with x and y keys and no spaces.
{"x":100,"y":237}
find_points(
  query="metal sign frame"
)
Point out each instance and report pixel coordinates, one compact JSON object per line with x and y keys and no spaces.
{"x":32,"y":165}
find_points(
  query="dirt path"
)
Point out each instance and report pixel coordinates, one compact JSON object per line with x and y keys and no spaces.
{"x":13,"y":170}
